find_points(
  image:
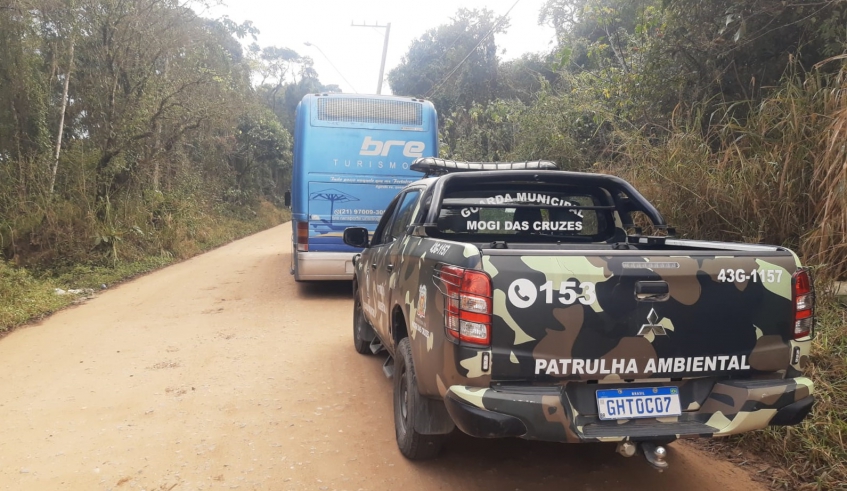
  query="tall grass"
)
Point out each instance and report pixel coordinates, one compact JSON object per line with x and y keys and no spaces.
{"x":777,"y":174}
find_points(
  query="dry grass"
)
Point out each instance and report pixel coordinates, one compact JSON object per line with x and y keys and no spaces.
{"x":779,"y":176}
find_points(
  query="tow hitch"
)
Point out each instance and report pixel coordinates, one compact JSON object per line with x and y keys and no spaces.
{"x":655,"y":454}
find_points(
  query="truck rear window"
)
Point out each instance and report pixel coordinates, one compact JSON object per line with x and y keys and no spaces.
{"x":504,"y":214}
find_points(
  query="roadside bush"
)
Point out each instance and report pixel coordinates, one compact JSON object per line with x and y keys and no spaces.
{"x":23,"y":297}
{"x":29,"y":293}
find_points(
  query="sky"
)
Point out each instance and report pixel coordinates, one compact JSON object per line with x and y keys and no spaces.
{"x":350,"y":56}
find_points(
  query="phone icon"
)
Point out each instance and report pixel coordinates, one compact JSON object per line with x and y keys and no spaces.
{"x":522,"y":293}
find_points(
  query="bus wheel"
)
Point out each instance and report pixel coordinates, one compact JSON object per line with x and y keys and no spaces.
{"x":362,"y":330}
{"x":413,"y":445}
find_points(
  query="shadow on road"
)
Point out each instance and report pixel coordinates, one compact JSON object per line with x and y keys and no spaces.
{"x":325,"y":290}
{"x":509,"y":464}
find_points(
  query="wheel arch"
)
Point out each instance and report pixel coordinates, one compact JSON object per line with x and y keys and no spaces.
{"x":399,"y":325}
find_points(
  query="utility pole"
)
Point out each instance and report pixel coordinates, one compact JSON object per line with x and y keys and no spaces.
{"x":387,"y":28}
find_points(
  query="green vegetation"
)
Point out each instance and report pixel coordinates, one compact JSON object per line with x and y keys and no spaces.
{"x":24,"y":297}
{"x":29,"y":294}
{"x":132,"y":135}
{"x":730,"y":115}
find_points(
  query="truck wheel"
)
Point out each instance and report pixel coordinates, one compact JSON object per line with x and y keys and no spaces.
{"x":360,"y":327}
{"x":413,"y":445}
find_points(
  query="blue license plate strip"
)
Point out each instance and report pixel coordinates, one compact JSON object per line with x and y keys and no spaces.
{"x":644,"y":402}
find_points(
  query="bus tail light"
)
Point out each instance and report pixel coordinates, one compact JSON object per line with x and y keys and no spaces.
{"x":804,"y":304}
{"x":467,"y":304}
{"x":302,"y":236}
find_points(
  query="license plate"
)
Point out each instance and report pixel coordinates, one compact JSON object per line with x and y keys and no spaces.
{"x":646,"y":402}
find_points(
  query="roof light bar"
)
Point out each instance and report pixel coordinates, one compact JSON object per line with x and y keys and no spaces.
{"x":433,"y":167}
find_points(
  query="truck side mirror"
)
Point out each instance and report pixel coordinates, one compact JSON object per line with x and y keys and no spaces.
{"x":288,"y":199}
{"x":356,"y":237}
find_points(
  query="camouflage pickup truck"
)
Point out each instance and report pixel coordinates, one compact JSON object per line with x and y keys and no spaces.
{"x":516,"y":300}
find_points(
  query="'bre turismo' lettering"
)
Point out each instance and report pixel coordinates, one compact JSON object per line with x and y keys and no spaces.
{"x":622,"y":366}
{"x":371,"y":147}
{"x":370,"y":164}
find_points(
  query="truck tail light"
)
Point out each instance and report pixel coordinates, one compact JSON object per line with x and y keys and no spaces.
{"x":303,"y":236}
{"x":804,"y":304}
{"x":467,"y":312}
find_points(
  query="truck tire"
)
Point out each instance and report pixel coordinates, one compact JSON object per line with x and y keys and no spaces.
{"x":361,"y":338}
{"x":413,"y":445}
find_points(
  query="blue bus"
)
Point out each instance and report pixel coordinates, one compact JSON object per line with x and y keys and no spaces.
{"x":351,"y":157}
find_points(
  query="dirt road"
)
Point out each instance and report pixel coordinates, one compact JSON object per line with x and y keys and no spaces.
{"x":222,"y":373}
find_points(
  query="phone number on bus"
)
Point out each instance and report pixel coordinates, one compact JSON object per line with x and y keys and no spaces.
{"x":357,"y":211}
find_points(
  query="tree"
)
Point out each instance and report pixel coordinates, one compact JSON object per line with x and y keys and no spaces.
{"x":649,"y":56}
{"x":115,"y":113}
{"x":283,"y":95}
{"x":333,"y":196}
{"x":454,"y":65}
{"x":154,"y":73}
{"x":525,"y":77}
{"x":262,"y":155}
{"x":274,"y":66}
{"x":24,"y":92}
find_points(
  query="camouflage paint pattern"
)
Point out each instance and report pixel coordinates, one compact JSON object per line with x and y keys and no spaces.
{"x":702,"y":317}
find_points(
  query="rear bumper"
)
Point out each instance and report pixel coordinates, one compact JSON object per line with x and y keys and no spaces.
{"x":546,"y":413}
{"x":323,"y":266}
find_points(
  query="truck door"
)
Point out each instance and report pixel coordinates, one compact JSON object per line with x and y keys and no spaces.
{"x":386,"y":263}
{"x":372,"y":293}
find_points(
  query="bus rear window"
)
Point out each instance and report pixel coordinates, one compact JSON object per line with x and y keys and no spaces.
{"x":509,"y":215}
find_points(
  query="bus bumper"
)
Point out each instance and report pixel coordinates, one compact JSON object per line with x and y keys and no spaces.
{"x":310,"y":266}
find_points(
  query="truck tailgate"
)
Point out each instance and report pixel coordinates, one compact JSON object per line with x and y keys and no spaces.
{"x":622,"y":315}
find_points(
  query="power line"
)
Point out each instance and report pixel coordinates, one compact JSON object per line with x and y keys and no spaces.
{"x":432,"y":92}
{"x":332,"y":65}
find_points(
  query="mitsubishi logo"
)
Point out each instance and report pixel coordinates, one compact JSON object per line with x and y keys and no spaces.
{"x":651,"y":325}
